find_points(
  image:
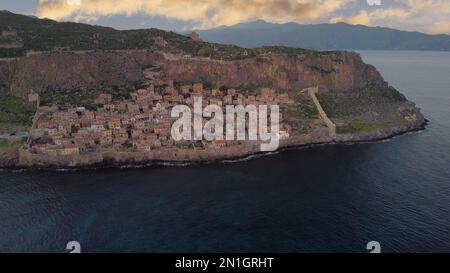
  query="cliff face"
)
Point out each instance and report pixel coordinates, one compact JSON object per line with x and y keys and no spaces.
{"x":332,"y":73}
{"x":70,"y":71}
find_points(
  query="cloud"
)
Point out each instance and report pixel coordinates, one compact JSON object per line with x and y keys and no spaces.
{"x":362,"y":18}
{"x":367,"y":18}
{"x":431,"y":16}
{"x":207,"y":13}
{"x":440,"y":27}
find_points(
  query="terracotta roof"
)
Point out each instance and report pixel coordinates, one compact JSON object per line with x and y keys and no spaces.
{"x":218,"y":142}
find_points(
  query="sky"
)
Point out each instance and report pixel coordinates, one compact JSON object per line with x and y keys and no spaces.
{"x":429,"y":16}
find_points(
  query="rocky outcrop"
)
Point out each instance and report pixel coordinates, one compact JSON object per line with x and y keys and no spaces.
{"x":415,"y":121}
{"x":96,"y":69}
{"x":336,"y":72}
{"x":74,"y":70}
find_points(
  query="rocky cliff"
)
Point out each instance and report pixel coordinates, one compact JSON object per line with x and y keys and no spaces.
{"x":73,"y":71}
{"x":343,"y":71}
{"x":54,"y":71}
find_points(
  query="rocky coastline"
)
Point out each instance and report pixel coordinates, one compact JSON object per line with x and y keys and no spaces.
{"x":339,"y":73}
{"x":354,"y":103}
{"x":293,"y":144}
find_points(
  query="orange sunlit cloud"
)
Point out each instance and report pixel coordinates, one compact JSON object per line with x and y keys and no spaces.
{"x":432,"y":16}
{"x":206,"y":13}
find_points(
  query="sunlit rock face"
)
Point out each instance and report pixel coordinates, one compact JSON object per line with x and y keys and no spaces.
{"x":335,"y":72}
{"x":71,"y":71}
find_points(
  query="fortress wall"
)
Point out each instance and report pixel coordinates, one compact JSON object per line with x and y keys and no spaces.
{"x":28,"y":159}
{"x":323,"y":116}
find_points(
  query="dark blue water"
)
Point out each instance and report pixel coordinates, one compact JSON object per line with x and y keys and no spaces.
{"x":322,"y":199}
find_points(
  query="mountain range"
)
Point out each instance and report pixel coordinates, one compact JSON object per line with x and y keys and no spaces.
{"x":324,"y":37}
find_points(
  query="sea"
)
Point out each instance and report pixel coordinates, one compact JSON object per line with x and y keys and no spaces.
{"x":320,"y":199}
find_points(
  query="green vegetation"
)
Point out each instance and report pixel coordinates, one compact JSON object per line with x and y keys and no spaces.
{"x":67,"y":99}
{"x":364,"y":110}
{"x":6,"y":143}
{"x":9,"y":151}
{"x":357,"y":126}
{"x":16,"y":110}
{"x":358,"y":102}
{"x":48,"y":35}
{"x":250,"y":90}
{"x":231,"y":52}
{"x":304,"y":107}
{"x":321,"y":70}
{"x":294,"y":51}
{"x":12,"y":52}
{"x":3,"y":143}
{"x":302,"y":113}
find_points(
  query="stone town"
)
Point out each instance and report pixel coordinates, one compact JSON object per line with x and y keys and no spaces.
{"x":140,"y":124}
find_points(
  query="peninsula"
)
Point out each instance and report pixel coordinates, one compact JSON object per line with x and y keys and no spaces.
{"x":75,"y":95}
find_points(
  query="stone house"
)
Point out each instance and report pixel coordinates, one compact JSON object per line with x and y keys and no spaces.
{"x":231,"y":92}
{"x":186,"y":89}
{"x":107,"y":138}
{"x":109,"y":107}
{"x":80,"y":109}
{"x":198,"y":88}
{"x":216,"y":92}
{"x":267,"y":93}
{"x":114,"y":123}
{"x":142,"y":146}
{"x":68,"y":151}
{"x":103,"y":99}
{"x":51,"y":131}
{"x":133,"y":108}
{"x":96,"y":127}
{"x":139,"y":125}
{"x":228,"y":99}
{"x":151,"y":89}
{"x":46,"y":124}
{"x":157,"y":97}
{"x":120,"y":136}
{"x":162,"y":129}
{"x":136,"y":134}
{"x":33,"y":97}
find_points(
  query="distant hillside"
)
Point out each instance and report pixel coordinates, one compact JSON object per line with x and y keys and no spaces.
{"x":21,"y":34}
{"x":48,"y":35}
{"x":324,"y":37}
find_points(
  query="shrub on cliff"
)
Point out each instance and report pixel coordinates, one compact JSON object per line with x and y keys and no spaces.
{"x":15,"y":110}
